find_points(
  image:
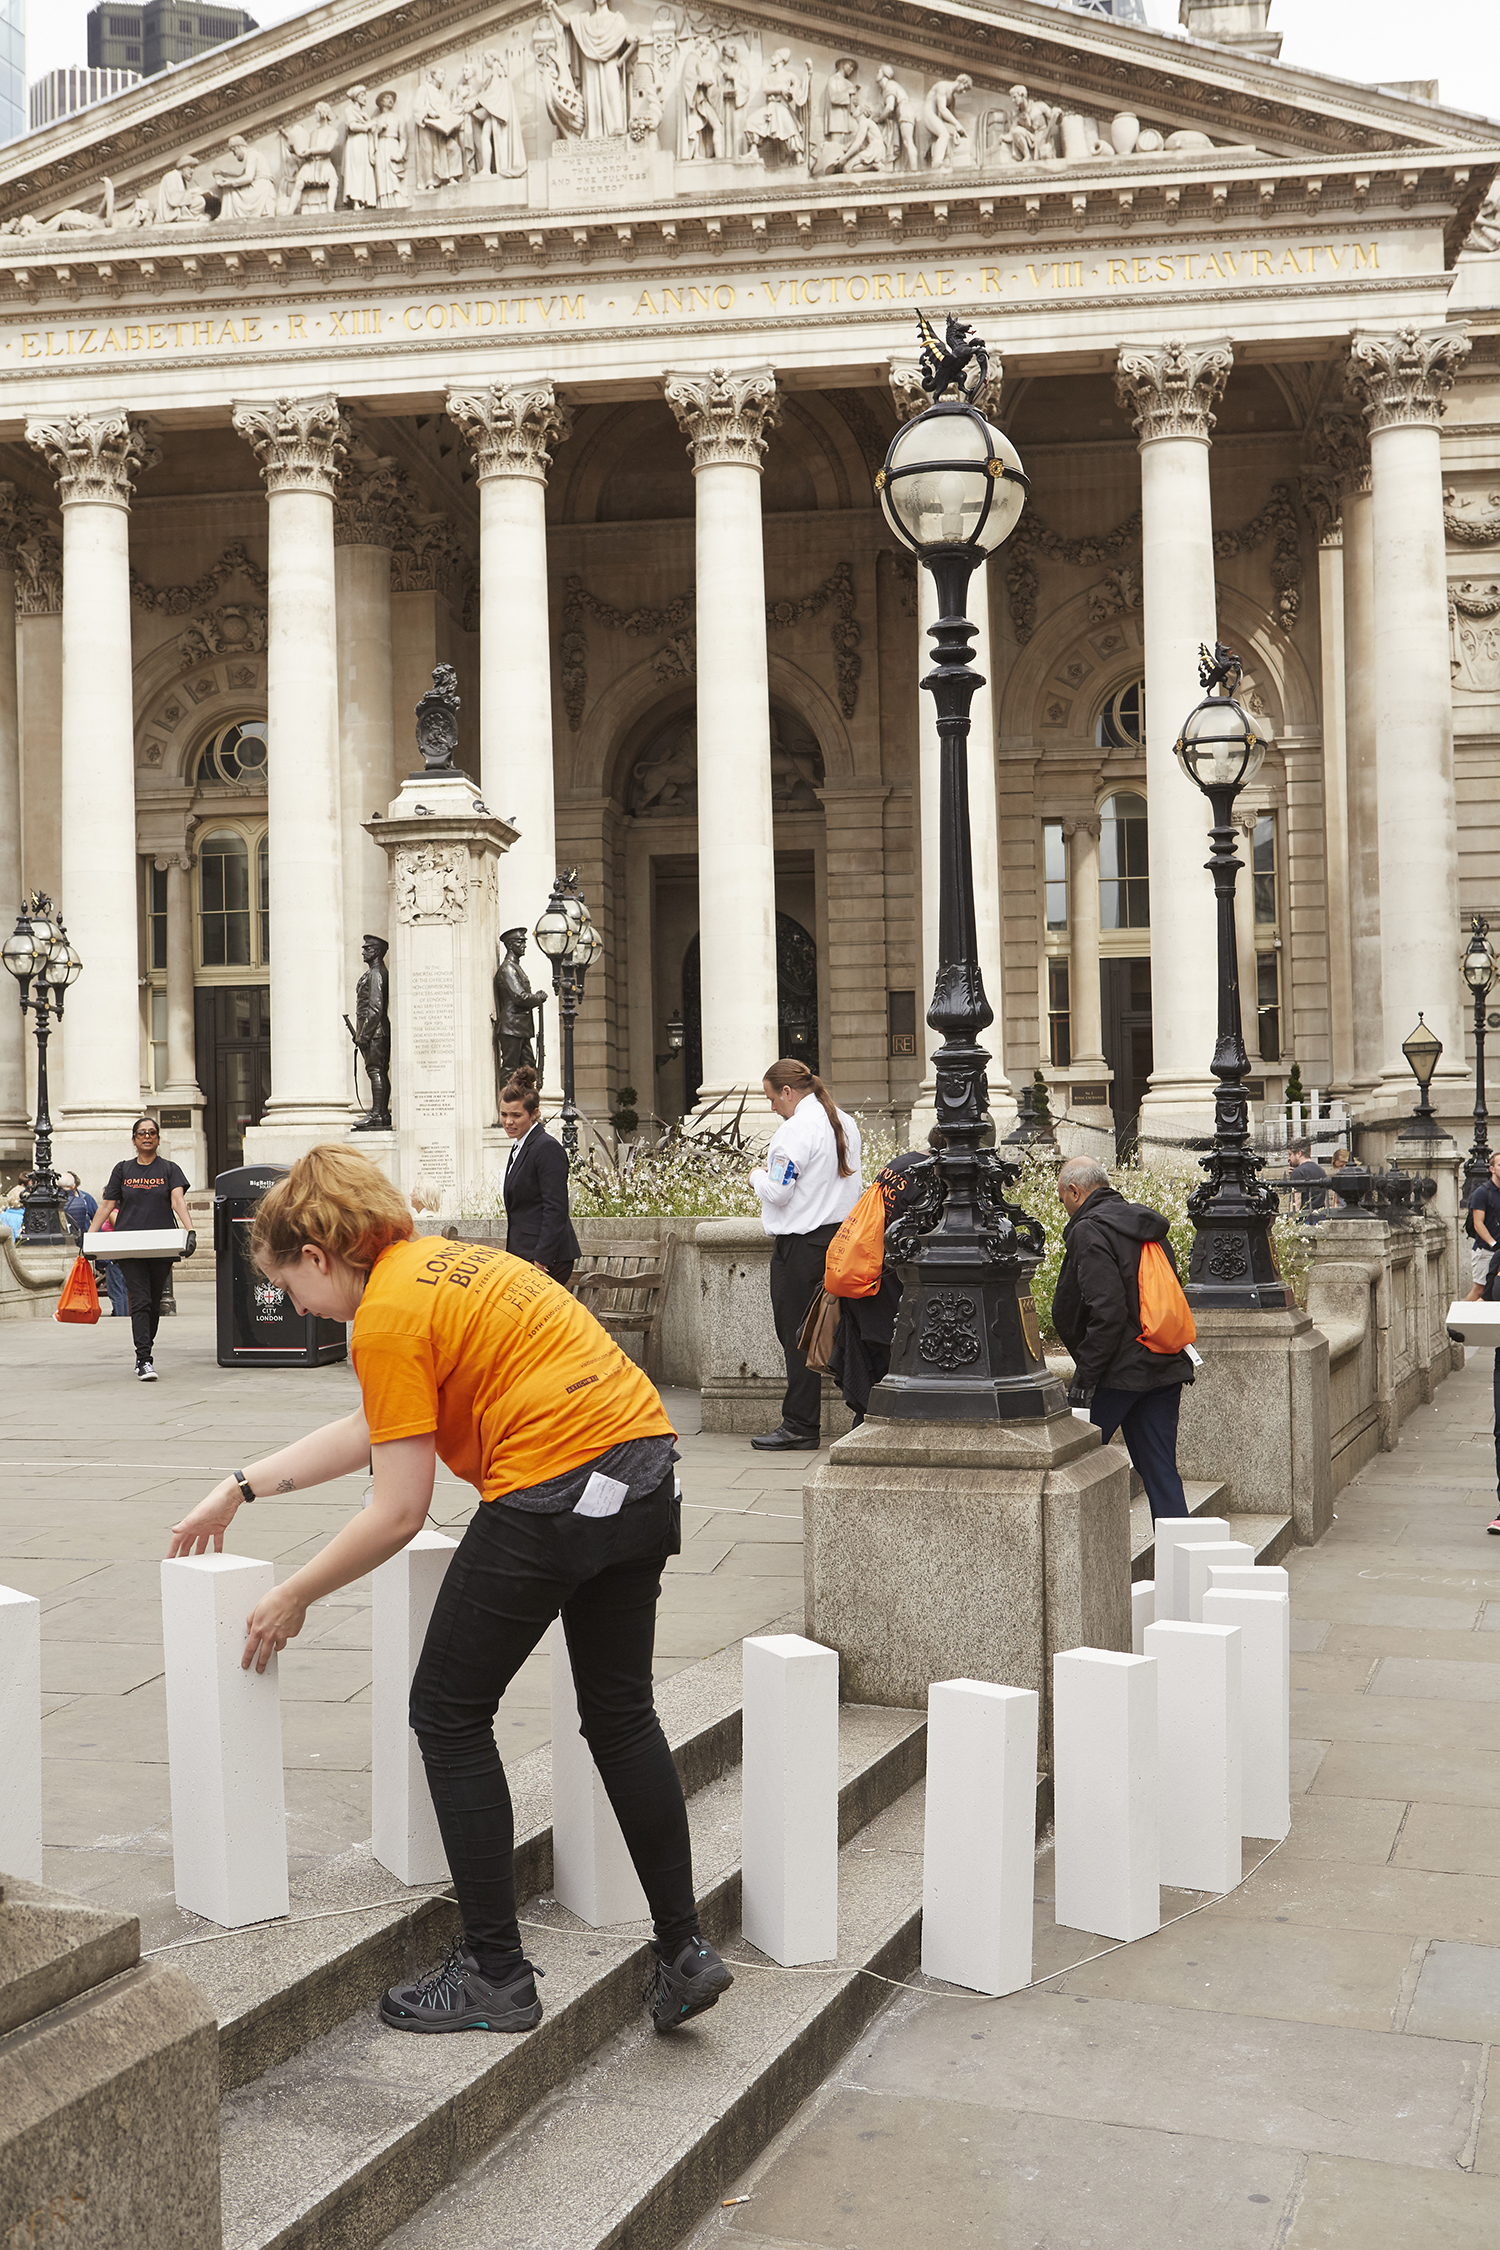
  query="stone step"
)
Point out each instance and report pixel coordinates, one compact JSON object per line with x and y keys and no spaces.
{"x":1202,"y":1500}
{"x":630,"y":2154}
{"x":359,"y":2129}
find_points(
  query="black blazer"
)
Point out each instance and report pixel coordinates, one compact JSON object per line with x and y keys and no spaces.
{"x":536,"y":1203}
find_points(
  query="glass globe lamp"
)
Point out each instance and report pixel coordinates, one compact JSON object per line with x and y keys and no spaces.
{"x":1221,"y":745}
{"x":951,"y":479}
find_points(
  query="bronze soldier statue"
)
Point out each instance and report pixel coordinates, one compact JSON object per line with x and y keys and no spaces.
{"x":515,"y":1003}
{"x":371,"y":1033}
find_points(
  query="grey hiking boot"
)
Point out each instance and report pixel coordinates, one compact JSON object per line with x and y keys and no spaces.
{"x":458,"y":1996}
{"x":687,"y":1984}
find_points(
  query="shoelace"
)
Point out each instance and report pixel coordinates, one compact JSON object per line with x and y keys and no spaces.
{"x":443,"y":1984}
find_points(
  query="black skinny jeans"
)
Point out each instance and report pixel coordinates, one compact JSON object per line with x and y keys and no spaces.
{"x":513,"y":1573}
{"x":145,"y":1279}
{"x":797,"y":1262}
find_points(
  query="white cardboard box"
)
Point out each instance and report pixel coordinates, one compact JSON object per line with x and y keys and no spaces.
{"x":144,"y":1242}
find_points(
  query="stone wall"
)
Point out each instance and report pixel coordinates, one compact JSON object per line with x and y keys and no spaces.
{"x":1380,"y":1295}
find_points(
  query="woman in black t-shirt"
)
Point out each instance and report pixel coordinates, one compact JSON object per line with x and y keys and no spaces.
{"x":141,"y":1197}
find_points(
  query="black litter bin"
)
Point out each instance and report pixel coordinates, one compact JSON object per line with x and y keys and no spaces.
{"x":258,"y":1325}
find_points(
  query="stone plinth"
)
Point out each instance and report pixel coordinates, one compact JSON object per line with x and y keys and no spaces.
{"x":444,"y":851}
{"x":943,"y":1551}
{"x":109,"y":2083}
{"x":1259,"y":1414}
{"x":742,"y":1369}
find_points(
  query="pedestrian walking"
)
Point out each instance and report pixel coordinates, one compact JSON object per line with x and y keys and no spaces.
{"x":469,"y":1355}
{"x":1482,"y":1226}
{"x":1096,"y":1310}
{"x":142,"y":1197}
{"x":535,"y":1186}
{"x":807,"y":1187}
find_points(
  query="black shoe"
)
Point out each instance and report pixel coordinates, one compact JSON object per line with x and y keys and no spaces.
{"x":686,"y":1985}
{"x":458,"y":1996}
{"x":785,"y":1441}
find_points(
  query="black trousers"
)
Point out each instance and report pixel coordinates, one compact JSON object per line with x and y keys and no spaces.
{"x":513,"y":1574}
{"x":796,"y":1277}
{"x":145,"y":1279}
{"x":1147,"y":1421}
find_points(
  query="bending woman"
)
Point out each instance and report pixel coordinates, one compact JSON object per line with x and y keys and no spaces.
{"x":471,"y":1355}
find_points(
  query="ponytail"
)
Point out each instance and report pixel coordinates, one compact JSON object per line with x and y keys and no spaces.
{"x":789,"y":1072}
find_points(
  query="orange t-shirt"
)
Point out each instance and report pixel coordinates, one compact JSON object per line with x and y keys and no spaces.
{"x":519,"y":1382}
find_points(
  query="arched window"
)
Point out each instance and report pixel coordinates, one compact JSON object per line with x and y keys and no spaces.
{"x":224,"y":900}
{"x":1121,"y":725}
{"x":1124,"y":876}
{"x":235,"y":756}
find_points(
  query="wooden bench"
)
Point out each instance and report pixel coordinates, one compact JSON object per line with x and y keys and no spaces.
{"x":624,"y":1285}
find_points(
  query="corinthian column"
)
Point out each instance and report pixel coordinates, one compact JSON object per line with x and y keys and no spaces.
{"x":1323,"y":499}
{"x":300,"y":444}
{"x":96,"y":459}
{"x":725,"y":415}
{"x":984,"y":816}
{"x":367,"y":511}
{"x":1399,"y":383}
{"x":14,"y":1125}
{"x":511,"y":428}
{"x":1171,"y":393}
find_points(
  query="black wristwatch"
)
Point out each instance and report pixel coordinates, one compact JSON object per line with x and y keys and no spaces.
{"x":247,"y":1490}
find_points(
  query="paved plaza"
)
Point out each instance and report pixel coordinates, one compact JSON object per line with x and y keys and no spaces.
{"x":94,"y":1469}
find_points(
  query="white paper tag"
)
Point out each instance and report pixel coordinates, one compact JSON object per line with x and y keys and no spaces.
{"x":1195,"y":1356}
{"x":602,"y":1496}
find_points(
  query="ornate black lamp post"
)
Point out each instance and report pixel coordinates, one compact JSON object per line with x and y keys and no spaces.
{"x":1479,"y":975}
{"x":572,"y":944}
{"x":1233,"y":1263}
{"x":44,"y":962}
{"x":967,"y":1345}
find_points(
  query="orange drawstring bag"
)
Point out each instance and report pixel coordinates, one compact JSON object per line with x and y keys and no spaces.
{"x":856,"y":1255}
{"x":1167,"y":1323}
{"x":79,"y":1301}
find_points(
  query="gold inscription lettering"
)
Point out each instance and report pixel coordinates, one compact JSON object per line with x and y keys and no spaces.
{"x":296,"y":328}
{"x":1370,"y":257}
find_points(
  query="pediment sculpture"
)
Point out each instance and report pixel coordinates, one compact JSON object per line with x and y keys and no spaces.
{"x":478,"y":125}
{"x":663,"y":782}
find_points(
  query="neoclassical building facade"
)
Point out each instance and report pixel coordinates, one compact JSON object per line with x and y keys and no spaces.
{"x":562,"y":347}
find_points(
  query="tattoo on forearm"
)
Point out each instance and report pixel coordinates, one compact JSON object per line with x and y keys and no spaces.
{"x":287,"y":1484}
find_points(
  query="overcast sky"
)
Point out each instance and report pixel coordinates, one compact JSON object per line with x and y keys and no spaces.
{"x":1369,"y":39}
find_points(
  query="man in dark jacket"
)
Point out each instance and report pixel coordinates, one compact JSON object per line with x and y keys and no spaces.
{"x":1096,"y":1310}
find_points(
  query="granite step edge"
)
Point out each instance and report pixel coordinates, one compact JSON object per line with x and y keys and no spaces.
{"x":396,"y":2172}
{"x":1203,"y":1499}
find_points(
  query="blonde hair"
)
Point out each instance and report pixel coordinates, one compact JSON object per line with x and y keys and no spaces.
{"x":790,"y":1072}
{"x":335,"y":1199}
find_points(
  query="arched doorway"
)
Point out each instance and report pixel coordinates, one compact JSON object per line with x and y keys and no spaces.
{"x":796,"y":1004}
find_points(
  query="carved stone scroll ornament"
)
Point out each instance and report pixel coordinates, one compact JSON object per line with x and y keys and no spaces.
{"x":725,"y":414}
{"x":1173,"y":392}
{"x":432,"y":884}
{"x":1404,"y":379}
{"x":300,"y":443}
{"x":371,"y":504}
{"x":511,"y":428}
{"x":181,"y":601}
{"x":38,"y":554}
{"x":1467,"y":530}
{"x":1474,"y":635}
{"x":93,"y":456}
{"x":233,"y":630}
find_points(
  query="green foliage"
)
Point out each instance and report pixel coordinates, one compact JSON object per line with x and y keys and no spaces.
{"x":1041,"y":1107}
{"x":625,"y":1117}
{"x":1295,"y":1090}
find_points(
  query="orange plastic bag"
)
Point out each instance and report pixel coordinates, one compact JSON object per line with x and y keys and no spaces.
{"x":1167,"y":1323}
{"x":80,"y":1299}
{"x":856,"y":1255}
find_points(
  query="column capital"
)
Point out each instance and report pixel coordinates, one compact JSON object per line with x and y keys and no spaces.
{"x":1341,"y":449}
{"x":724,"y":413}
{"x":1171,"y":391}
{"x":511,"y":427}
{"x":1082,"y":824}
{"x":93,"y":456}
{"x":300,"y":443}
{"x":905,"y":379}
{"x":370,"y":504}
{"x":1405,"y":378}
{"x":165,"y":860}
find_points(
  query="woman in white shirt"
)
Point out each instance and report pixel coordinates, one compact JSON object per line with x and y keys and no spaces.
{"x":808,"y":1186}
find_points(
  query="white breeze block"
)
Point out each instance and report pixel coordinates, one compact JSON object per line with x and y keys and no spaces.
{"x":1142,"y":1613}
{"x":1198,"y":1740}
{"x":593,"y":1874}
{"x":1265,"y":1627}
{"x":789,"y":1849}
{"x":979,"y":1858}
{"x":1197,"y":1562}
{"x":403,"y":1826}
{"x":1477,"y":1323}
{"x":223,"y":1744}
{"x":21,"y":1733}
{"x":1170,"y":1532}
{"x":1104,"y":1792}
{"x":1259,"y":1578}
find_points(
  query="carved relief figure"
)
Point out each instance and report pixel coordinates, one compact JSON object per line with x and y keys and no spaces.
{"x":736,"y":83}
{"x":778,"y":129}
{"x":1484,"y":234}
{"x":666,"y":779}
{"x":604,"y":46}
{"x":1033,"y":130}
{"x":840,"y":94}
{"x":431,"y":885}
{"x":864,"y":148}
{"x":897,"y":112}
{"x":389,"y":154}
{"x":178,"y":200}
{"x":312,"y":148}
{"x":949,"y":136}
{"x":702,"y":132}
{"x":498,"y":146}
{"x":246,"y":183}
{"x":360,"y":192}
{"x":561,"y":98}
{"x":647,"y":107}
{"x":439,"y":157}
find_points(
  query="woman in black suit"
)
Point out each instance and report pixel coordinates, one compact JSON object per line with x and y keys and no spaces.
{"x":536,"y":1183}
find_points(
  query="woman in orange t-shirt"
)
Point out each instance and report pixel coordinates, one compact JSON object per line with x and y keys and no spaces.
{"x":469,"y":1355}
